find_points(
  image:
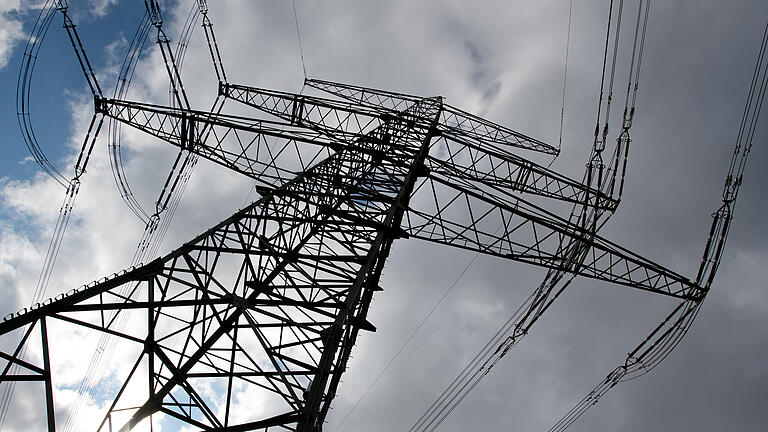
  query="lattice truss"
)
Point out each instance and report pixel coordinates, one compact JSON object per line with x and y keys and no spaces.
{"x":270,"y":301}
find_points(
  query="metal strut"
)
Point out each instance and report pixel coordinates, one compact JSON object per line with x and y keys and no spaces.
{"x":270,"y":301}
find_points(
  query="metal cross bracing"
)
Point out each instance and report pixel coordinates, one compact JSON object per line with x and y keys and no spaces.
{"x":308,"y":256}
{"x":272,"y":299}
{"x":275,"y":295}
{"x":466,"y":207}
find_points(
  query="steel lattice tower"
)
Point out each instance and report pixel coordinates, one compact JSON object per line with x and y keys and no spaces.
{"x":276,"y":294}
{"x":273,"y":298}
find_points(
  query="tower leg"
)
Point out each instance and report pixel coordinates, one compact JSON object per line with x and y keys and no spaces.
{"x":48,"y":383}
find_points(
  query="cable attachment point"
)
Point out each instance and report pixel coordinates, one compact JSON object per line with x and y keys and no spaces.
{"x":99,"y":104}
{"x":153,"y":9}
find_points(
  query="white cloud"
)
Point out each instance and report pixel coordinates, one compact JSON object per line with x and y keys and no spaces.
{"x":11,"y":32}
{"x":101,"y":7}
{"x":681,"y":132}
{"x":13,"y":14}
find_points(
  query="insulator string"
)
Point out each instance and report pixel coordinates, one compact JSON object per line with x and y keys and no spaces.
{"x":665,"y":337}
{"x":73,"y":186}
{"x":565,"y":75}
{"x":547,"y":292}
{"x":298,"y":37}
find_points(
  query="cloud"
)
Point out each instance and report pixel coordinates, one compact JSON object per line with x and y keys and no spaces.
{"x":14,"y":13}
{"x":504,"y":60}
{"x":11,"y":32}
{"x":101,"y":7}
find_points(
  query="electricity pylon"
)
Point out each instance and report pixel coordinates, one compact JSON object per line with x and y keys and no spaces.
{"x":270,"y":301}
{"x":274,"y":297}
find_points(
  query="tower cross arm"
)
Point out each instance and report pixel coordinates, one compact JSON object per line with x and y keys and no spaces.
{"x":467,"y":215}
{"x":453,"y":121}
{"x":270,"y":152}
{"x":304,"y":109}
{"x":463,"y":160}
{"x":452,"y":155}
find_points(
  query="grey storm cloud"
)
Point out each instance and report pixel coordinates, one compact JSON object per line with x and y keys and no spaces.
{"x":503,"y":60}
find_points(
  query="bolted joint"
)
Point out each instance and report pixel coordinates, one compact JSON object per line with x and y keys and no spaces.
{"x":239,"y":302}
{"x":394,"y":232}
{"x":187,"y":137}
{"x":362,"y":324}
{"x":149,"y":345}
{"x":154,"y":12}
{"x":99,"y":104}
{"x":264,"y":190}
{"x":259,"y":289}
{"x":421,"y":170}
{"x":434,"y":131}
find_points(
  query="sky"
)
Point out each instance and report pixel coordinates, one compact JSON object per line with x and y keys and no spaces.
{"x":500,"y":59}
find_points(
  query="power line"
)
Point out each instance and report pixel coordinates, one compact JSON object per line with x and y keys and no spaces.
{"x":408,"y":340}
{"x":565,"y":74}
{"x":298,"y":36}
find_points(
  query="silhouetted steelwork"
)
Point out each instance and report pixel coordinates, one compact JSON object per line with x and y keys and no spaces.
{"x":273,"y":298}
